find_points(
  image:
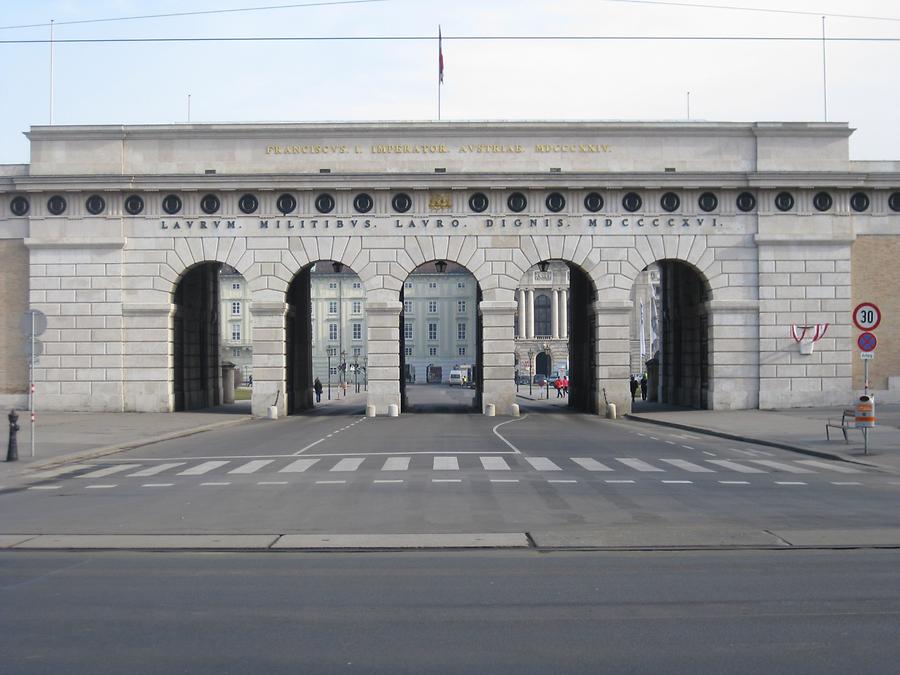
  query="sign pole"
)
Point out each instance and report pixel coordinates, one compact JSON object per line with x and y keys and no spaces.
{"x":866,"y":392}
{"x":31,"y":383}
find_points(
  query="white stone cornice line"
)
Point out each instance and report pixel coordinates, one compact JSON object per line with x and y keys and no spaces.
{"x":731,"y":305}
{"x":75,"y":243}
{"x":145,"y":308}
{"x":383,"y":307}
{"x":497,"y":306}
{"x":613,"y":306}
{"x":802,"y":239}
{"x":260,"y":308}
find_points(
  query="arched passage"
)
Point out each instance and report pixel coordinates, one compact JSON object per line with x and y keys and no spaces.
{"x":670,"y":331}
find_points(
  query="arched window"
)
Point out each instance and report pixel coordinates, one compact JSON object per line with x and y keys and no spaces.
{"x":542,"y":315}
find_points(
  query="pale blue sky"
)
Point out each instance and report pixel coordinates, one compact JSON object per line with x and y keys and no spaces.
{"x":290,"y":81}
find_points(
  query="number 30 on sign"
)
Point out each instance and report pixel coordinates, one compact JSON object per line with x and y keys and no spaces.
{"x":866,"y":316}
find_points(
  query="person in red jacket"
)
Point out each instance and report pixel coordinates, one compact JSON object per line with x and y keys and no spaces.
{"x":558,"y":385}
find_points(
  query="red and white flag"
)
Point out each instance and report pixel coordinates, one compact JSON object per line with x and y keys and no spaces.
{"x":440,"y":59}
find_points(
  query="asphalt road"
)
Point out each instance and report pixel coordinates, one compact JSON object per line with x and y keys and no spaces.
{"x":567,"y":479}
{"x":485,"y":612}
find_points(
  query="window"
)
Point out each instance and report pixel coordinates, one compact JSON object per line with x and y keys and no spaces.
{"x":542,"y":315}
{"x":432,"y":331}
{"x":357,"y":331}
{"x":432,"y":306}
{"x":333,"y":370}
{"x":332,"y":306}
{"x":235,"y":286}
{"x":236,"y":352}
{"x":235,"y":309}
{"x":461,"y":351}
{"x":408,"y":284}
{"x":408,"y":331}
{"x":460,"y":331}
{"x":332,"y":351}
{"x":357,"y":284}
{"x":407,"y":306}
{"x":461,"y":306}
{"x":407,"y":351}
{"x":235,"y":332}
{"x":432,"y":351}
{"x":357,"y":351}
{"x":460,"y":284}
{"x":432,"y":284}
{"x":332,"y":331}
{"x":332,"y":285}
{"x":357,"y":307}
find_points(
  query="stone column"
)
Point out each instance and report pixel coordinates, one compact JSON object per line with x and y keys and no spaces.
{"x":383,"y":348}
{"x":498,"y":339}
{"x":148,"y":357}
{"x":520,"y":294}
{"x":613,"y":331}
{"x":529,"y":304}
{"x":227,"y":382}
{"x":554,"y":314}
{"x":269,"y":357}
{"x":733,"y":354}
{"x":564,"y":314}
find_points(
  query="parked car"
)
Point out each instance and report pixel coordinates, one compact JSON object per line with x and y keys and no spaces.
{"x":522,"y":379}
{"x":540,"y":379}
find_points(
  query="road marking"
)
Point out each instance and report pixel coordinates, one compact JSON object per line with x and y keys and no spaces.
{"x":153,"y":470}
{"x":504,"y":480}
{"x":640,"y":434}
{"x":497,"y":433}
{"x":654,"y":438}
{"x":755,"y":453}
{"x":687,"y":447}
{"x":100,"y":487}
{"x":618,"y":481}
{"x":561,"y":481}
{"x":787,"y":482}
{"x":200,"y":469}
{"x":348,"y":464}
{"x":215,"y":483}
{"x":688,"y":466}
{"x":445,"y":464}
{"x":45,"y":487}
{"x":388,"y":481}
{"x":637,"y":464}
{"x":831,"y":466}
{"x":590,"y":464}
{"x":396,"y":464}
{"x":734,"y":482}
{"x":845,"y":483}
{"x":298,"y":466}
{"x":678,"y":482}
{"x":53,"y":473}
{"x":251,"y":467}
{"x":734,"y":466}
{"x":707,"y":452}
{"x":108,"y":471}
{"x":494,"y":464}
{"x":671,"y":442}
{"x":313,"y":444}
{"x":542,"y":464}
{"x":157,"y":484}
{"x":330,"y":482}
{"x":272,"y":482}
{"x":446,"y":480}
{"x":781,"y":466}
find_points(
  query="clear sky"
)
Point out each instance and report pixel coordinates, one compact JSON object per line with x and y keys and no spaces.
{"x":141,"y":83}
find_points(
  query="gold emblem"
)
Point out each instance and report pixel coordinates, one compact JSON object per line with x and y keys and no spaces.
{"x":439,"y":202}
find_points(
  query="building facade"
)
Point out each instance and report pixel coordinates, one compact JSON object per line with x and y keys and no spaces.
{"x":765,"y":237}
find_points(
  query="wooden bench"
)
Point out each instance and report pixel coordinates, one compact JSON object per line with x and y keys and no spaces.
{"x":848,"y":421}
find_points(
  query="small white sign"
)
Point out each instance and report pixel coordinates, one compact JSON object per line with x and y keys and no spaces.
{"x":867,"y":356}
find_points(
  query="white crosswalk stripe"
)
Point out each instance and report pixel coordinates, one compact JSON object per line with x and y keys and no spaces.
{"x":590,"y":464}
{"x":542,"y":464}
{"x":201,"y":469}
{"x":153,"y":470}
{"x":348,"y":464}
{"x":781,"y":466}
{"x":688,"y":466}
{"x":60,"y":470}
{"x":300,"y":465}
{"x":396,"y":464}
{"x":446,"y":464}
{"x":831,"y":466}
{"x":637,"y":464}
{"x":108,"y":471}
{"x":251,"y":467}
{"x":734,"y":466}
{"x":494,"y":464}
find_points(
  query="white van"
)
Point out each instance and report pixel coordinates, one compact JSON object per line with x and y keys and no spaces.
{"x":456,"y":377}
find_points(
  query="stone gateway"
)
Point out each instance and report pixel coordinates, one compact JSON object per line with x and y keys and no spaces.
{"x":760,"y":238}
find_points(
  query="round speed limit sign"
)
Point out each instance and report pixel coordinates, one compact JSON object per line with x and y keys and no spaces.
{"x":866,"y":316}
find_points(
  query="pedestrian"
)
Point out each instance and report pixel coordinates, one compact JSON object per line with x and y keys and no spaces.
{"x":317,"y":387}
{"x":344,"y":388}
{"x":250,"y":380}
{"x":644,"y":387}
{"x":557,"y":384}
{"x":633,"y":384}
{"x":565,"y":386}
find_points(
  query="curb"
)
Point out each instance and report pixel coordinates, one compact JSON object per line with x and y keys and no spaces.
{"x":750,"y":439}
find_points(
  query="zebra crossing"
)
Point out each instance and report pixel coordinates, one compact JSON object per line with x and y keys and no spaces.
{"x":444,"y":464}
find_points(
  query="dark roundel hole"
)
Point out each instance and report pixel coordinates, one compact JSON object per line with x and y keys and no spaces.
{"x":56,"y":205}
{"x":363,"y":203}
{"x":708,"y":201}
{"x":324,"y":203}
{"x":171,"y":204}
{"x":19,"y":206}
{"x":670,"y":202}
{"x":631,"y":202}
{"x":95,"y":205}
{"x":784,"y":201}
{"x":134,"y":204}
{"x":248,"y":204}
{"x":822,"y":201}
{"x":517,"y":202}
{"x":401,"y":202}
{"x":286,"y":203}
{"x":746,"y":201}
{"x":555,"y":202}
{"x":210,"y":204}
{"x":894,"y":201}
{"x":478,"y":202}
{"x":593,"y":202}
{"x":859,"y":201}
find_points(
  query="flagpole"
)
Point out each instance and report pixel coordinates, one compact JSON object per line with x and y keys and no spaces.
{"x":440,"y":71}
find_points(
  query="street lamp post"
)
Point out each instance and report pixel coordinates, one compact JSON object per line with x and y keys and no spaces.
{"x":344,"y":371}
{"x":356,"y":371}
{"x":366,"y":373}
{"x":546,"y":349}
{"x":329,"y":373}
{"x":530,"y":377}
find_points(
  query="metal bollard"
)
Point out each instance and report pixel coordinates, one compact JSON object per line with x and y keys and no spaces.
{"x":12,"y":453}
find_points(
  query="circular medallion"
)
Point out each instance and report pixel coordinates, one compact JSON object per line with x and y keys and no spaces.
{"x":56,"y":205}
{"x":478,"y":202}
{"x":210,"y":204}
{"x":670,"y":202}
{"x":248,"y":203}
{"x":171,"y":204}
{"x":363,"y":203}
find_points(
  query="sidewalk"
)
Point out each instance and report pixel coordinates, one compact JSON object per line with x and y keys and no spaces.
{"x":797,"y":429}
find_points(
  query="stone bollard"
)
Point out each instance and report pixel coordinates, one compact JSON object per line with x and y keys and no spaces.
{"x":272,"y":412}
{"x":490,"y":409}
{"x":12,"y":452}
{"x":393,"y":410}
{"x":611,"y":411}
{"x":370,"y":411}
{"x":514,"y":410}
